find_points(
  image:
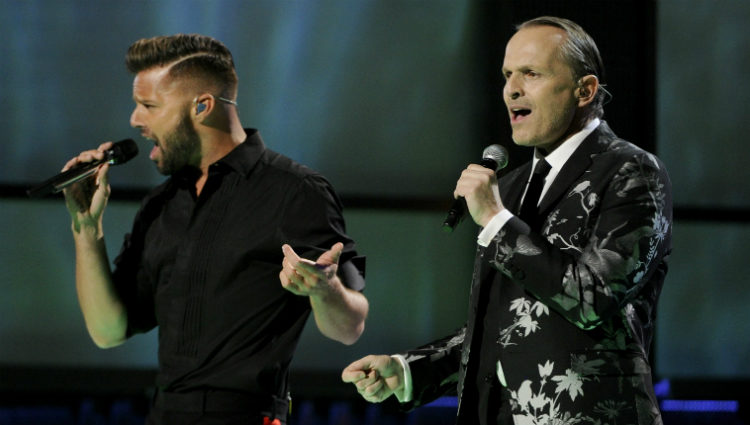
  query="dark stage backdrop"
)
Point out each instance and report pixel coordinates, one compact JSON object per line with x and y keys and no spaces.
{"x":703,"y":50}
{"x":389,"y":99}
{"x":379,"y":95}
{"x":384,"y":97}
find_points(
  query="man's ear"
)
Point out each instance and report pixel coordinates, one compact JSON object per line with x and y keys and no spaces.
{"x":203,"y":105}
{"x":588,"y":86}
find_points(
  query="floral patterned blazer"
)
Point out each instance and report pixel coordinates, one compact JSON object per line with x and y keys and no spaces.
{"x":577,"y":299}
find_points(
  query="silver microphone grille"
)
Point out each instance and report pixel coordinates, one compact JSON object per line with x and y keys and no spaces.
{"x":498,"y":154}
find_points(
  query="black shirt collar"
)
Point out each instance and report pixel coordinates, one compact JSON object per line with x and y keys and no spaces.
{"x":241,"y":159}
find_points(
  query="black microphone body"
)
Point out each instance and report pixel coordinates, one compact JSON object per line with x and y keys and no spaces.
{"x":494,"y":157}
{"x":121,"y":152}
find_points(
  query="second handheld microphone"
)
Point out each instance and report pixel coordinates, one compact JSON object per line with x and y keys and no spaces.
{"x":494,"y":157}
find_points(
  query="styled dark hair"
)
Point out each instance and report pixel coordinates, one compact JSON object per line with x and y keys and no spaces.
{"x":580,"y":52}
{"x":189,"y":56}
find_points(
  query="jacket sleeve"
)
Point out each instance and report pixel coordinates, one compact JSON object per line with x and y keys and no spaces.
{"x":434,"y":369}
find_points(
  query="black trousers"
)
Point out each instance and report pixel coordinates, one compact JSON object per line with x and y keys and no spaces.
{"x":160,"y":417}
{"x":213,"y":407}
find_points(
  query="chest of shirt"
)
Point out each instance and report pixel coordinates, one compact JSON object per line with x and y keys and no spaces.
{"x":232,"y":231}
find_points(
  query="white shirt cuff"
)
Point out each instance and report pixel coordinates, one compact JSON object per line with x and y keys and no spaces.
{"x":406,"y":395}
{"x":495,"y":224}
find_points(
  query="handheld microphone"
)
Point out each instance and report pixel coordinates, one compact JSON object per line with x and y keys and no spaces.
{"x":119,"y":153}
{"x":494,"y":157}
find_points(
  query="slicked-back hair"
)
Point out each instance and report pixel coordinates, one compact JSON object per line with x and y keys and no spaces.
{"x":580,"y":52}
{"x":189,"y":56}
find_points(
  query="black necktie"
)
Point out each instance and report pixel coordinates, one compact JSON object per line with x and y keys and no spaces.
{"x":529,"y":211}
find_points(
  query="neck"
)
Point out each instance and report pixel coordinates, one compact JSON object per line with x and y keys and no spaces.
{"x":216,"y":144}
{"x":578,"y":124}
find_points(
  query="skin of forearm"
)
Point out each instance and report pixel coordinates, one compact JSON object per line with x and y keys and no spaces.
{"x":340,"y":313}
{"x":104,"y":314}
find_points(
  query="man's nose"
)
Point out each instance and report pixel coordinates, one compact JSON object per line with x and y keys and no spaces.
{"x":134,"y":122}
{"x":512,"y":88}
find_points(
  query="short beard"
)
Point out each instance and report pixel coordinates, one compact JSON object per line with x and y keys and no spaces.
{"x":179,"y":147}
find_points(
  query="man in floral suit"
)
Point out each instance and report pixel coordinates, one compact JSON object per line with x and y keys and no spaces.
{"x":566,"y":281}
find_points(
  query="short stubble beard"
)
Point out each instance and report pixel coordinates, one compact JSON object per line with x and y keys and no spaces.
{"x":179,"y":147}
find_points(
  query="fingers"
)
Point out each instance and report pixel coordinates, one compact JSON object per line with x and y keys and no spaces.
{"x":367,"y":371}
{"x":331,"y":256}
{"x":289,"y":253}
{"x":305,"y":277}
{"x":373,"y":388}
{"x":90,"y":155}
{"x":357,"y":370}
{"x":89,"y":195}
{"x":370,"y":385}
{"x":371,"y":376}
{"x":352,"y":376}
{"x":290,"y":280}
{"x":102,"y":176}
{"x":296,"y":275}
{"x":326,"y":259}
{"x":294,"y":263}
{"x":473,"y":178}
{"x":478,"y":186}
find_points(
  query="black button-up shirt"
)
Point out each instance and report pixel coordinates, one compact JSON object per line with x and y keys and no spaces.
{"x":204,"y":269}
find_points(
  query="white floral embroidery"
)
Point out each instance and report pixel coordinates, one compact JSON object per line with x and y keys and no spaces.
{"x":523,"y":324}
{"x":541,"y":407}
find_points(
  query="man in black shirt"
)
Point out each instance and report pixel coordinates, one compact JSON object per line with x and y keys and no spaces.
{"x":204,"y":259}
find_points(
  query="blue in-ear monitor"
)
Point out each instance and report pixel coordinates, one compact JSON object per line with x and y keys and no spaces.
{"x":200,"y":108}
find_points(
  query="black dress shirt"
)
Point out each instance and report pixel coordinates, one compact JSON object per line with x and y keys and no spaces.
{"x":204,"y":269}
